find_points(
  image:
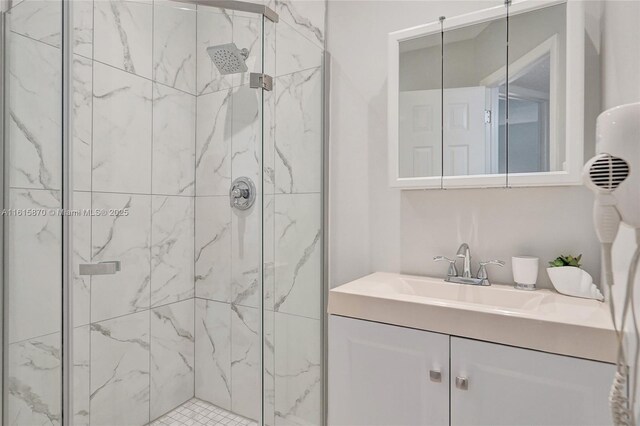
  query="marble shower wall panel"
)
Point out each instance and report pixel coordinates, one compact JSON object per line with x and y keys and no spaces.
{"x":294,"y":52}
{"x":298,"y":376}
{"x":83,"y":28}
{"x":38,"y":20}
{"x":122,"y":133}
{"x":298,"y":140}
{"x":127,"y":239}
{"x":34,"y":109}
{"x":245,"y":361}
{"x":81,"y":254}
{"x":213,"y":248}
{"x":174,"y":136}
{"x":174,"y":45}
{"x":33,"y":381}
{"x":120,"y":371}
{"x":298,"y":254}
{"x":81,"y":375}
{"x":172,"y":250}
{"x":172,"y":356}
{"x":34,"y":266}
{"x":213,"y":143}
{"x":306,"y":16}
{"x":213,"y":352}
{"x":82,"y":76}
{"x":123,"y":35}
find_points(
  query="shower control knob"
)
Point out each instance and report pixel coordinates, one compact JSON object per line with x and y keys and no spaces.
{"x":242,"y":193}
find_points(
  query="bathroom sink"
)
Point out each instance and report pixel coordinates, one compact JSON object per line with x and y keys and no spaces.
{"x":542,"y":319}
{"x":437,"y":290}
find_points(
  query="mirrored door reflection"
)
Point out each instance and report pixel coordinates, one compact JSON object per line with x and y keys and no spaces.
{"x":473,"y":106}
{"x":536,"y":90}
{"x":420,"y":107}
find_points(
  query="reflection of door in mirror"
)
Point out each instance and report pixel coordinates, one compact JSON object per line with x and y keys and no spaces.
{"x":420,"y":133}
{"x":474,"y":70}
{"x":420,"y":107}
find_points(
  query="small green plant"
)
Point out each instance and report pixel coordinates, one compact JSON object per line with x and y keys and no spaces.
{"x":566,"y":261}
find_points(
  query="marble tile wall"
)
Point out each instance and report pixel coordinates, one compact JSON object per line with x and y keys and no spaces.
{"x":159,"y":132}
{"x":228,"y":242}
{"x":134,"y":118}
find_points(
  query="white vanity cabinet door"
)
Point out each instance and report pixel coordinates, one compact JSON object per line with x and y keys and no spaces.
{"x":379,"y":375}
{"x":513,"y":386}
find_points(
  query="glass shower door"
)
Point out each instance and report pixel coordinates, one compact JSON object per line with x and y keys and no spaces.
{"x":32,"y":168}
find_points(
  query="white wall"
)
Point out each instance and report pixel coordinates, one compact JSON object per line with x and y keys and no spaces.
{"x":375,"y":228}
{"x":621,"y":85}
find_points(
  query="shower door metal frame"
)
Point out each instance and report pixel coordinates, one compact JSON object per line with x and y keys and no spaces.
{"x":241,"y":6}
{"x":3,"y":200}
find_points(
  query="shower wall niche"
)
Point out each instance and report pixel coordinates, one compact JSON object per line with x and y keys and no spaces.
{"x":207,"y":296}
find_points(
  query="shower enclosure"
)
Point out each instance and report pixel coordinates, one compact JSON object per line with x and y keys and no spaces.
{"x":162,"y":211}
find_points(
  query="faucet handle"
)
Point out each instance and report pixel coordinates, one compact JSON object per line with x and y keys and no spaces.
{"x":452,"y":272}
{"x":482,"y":272}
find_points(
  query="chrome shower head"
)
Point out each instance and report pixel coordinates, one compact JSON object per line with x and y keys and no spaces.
{"x":228,"y":58}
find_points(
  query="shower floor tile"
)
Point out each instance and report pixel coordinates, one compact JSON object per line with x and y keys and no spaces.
{"x":196,"y":412}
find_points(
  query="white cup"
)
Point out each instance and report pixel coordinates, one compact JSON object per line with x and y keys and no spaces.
{"x":525,"y":271}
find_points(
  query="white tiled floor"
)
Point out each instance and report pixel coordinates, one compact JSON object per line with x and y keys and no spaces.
{"x":196,"y":412}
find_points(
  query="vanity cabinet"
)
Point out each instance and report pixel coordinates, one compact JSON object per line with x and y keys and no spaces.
{"x":385,"y":375}
{"x":381,"y":374}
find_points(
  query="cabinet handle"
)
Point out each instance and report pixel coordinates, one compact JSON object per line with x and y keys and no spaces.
{"x":435,"y":376}
{"x":462,"y":383}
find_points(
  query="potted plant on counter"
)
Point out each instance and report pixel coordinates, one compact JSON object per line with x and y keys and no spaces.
{"x":568,"y":278}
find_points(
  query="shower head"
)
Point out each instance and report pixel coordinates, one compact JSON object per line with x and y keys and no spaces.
{"x":228,"y":58}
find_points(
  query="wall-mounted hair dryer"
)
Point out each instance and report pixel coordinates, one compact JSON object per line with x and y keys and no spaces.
{"x":614,"y":175}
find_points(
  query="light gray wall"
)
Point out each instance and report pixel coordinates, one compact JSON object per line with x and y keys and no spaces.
{"x":376,"y":228}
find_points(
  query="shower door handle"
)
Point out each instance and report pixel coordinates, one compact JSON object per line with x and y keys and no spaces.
{"x":102,"y":268}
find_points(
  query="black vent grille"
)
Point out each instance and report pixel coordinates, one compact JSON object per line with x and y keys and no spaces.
{"x":608,"y":172}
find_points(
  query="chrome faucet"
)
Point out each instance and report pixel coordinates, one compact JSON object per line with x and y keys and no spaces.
{"x":464,"y":252}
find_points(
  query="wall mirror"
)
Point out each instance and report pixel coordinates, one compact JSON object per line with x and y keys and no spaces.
{"x":482,"y":100}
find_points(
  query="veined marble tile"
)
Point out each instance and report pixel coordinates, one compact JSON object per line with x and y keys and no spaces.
{"x":34,"y":266}
{"x":213,"y":248}
{"x":246,"y":255}
{"x":294,"y":52}
{"x":245,"y":361}
{"x":120,"y":371}
{"x":298,"y":248}
{"x":269,"y":141}
{"x":37,"y":19}
{"x":82,"y":75}
{"x":214,"y":28}
{"x":298,"y":381}
{"x":83,"y":28}
{"x":34,"y":381}
{"x":246,"y":140}
{"x":306,"y":16}
{"x":298,"y":146}
{"x":213,"y":143}
{"x":269,"y":251}
{"x":269,"y":368}
{"x":172,"y":356}
{"x":123,"y":35}
{"x":174,"y":45}
{"x":127,"y":239}
{"x":81,"y":254}
{"x":174,"y":141}
{"x":34,"y":107}
{"x":213,"y":352}
{"x":172,"y":266}
{"x":122,"y":117}
{"x":269,"y":50}
{"x":81,"y":375}
{"x":247,"y":34}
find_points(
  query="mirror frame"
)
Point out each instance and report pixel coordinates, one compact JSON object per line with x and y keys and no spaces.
{"x":573,"y":114}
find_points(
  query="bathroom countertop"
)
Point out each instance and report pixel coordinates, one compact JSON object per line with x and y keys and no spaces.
{"x":542,"y":320}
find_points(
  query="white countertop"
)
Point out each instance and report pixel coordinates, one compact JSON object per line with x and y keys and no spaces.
{"x":542,"y":320}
